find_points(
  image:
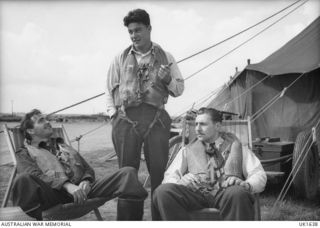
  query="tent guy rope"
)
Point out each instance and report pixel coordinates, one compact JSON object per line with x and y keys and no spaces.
{"x":206,"y":49}
{"x":214,"y":45}
{"x":294,"y":171}
{"x":246,"y":41}
{"x":274,"y":99}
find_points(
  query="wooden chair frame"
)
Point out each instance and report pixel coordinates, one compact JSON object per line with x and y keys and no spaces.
{"x":61,"y":211}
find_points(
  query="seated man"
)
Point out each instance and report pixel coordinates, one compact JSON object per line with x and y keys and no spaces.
{"x":51,"y":172}
{"x":211,"y":171}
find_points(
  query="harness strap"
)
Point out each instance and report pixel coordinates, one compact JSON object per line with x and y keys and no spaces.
{"x":155,"y":119}
{"x":123,"y":115}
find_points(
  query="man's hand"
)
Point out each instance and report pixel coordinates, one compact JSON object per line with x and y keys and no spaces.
{"x":246,"y":185}
{"x":85,"y":186}
{"x":113,"y":116}
{"x":164,"y":73}
{"x":78,"y":194}
{"x":236,"y":181}
{"x":190,"y":180}
{"x":231,"y":181}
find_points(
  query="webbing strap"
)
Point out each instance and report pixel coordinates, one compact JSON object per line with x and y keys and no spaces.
{"x":123,"y":115}
{"x":155,"y":119}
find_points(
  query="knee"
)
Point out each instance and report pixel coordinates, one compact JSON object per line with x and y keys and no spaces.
{"x":23,"y":179}
{"x":239,"y":194}
{"x":163,"y":191}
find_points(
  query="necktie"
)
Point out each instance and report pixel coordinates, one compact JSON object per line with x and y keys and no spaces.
{"x":215,"y":154}
{"x":211,"y":149}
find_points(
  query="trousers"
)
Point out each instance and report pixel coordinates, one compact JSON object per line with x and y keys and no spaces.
{"x":128,"y":140}
{"x":129,"y":136}
{"x":34,"y":196}
{"x":173,"y":202}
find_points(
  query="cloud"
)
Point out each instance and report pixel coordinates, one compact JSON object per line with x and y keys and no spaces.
{"x":32,"y":34}
{"x":27,"y":60}
{"x":84,"y":71}
{"x":294,"y":29}
{"x":32,"y":70}
{"x":311,"y":9}
{"x":178,"y":30}
{"x":228,"y":25}
{"x":61,"y":55}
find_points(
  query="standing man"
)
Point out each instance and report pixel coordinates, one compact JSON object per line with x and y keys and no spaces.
{"x":211,"y":171}
{"x":140,"y":79}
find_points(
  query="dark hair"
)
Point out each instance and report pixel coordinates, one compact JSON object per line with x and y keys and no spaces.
{"x":215,"y":115}
{"x":137,"y":16}
{"x":27,"y":123}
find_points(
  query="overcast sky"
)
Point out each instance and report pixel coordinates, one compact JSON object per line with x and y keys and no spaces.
{"x":56,"y":53}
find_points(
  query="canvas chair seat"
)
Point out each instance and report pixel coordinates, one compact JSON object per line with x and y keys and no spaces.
{"x":61,"y":211}
{"x":242,"y":129}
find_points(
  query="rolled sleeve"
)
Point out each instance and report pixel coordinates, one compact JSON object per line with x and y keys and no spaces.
{"x":113,"y":78}
{"x":176,"y":86}
{"x":253,"y":171}
{"x":89,"y":174}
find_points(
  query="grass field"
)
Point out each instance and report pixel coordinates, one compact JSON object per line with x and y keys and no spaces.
{"x":290,"y":210}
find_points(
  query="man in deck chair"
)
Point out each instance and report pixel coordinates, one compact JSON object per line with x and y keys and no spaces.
{"x":51,"y":173}
{"x":211,"y":171}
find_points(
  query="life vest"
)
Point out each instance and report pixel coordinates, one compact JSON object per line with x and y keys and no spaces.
{"x":140,"y":84}
{"x":71,"y":162}
{"x":66,"y":164}
{"x":233,"y":161}
{"x":47,"y":162}
{"x":214,"y":170}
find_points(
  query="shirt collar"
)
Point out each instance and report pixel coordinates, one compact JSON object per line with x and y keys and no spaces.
{"x":44,"y":145}
{"x":151,"y":51}
{"x":50,"y":144}
{"x":218,"y":141}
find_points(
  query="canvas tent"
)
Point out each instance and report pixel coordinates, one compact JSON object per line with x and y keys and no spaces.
{"x":299,"y":108}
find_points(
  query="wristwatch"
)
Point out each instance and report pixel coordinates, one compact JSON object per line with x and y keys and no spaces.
{"x":249,"y":186}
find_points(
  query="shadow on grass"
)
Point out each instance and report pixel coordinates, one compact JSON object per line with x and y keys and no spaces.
{"x":291,"y":208}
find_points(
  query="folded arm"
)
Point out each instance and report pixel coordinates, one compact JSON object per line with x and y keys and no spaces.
{"x":26,"y":164}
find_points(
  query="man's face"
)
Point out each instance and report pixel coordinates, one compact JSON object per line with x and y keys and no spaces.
{"x":206,"y":130}
{"x":139,"y":34}
{"x":42,"y":127}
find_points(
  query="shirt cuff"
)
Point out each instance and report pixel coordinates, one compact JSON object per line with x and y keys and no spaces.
{"x":111,"y":112}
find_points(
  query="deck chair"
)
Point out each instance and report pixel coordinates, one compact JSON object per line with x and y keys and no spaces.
{"x":242,"y":129}
{"x":67,"y":211}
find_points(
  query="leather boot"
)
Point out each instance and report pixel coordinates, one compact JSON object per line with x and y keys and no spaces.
{"x":130,"y":209}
